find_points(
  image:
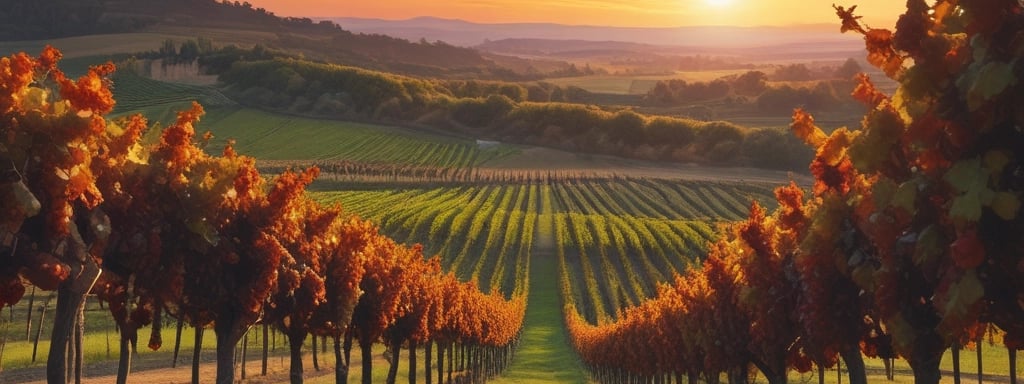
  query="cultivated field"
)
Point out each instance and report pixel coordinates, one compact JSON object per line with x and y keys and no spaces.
{"x":637,"y":84}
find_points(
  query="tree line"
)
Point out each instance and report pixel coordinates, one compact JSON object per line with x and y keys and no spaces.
{"x":167,"y":229}
{"x":538,"y":114}
{"x":828,"y":91}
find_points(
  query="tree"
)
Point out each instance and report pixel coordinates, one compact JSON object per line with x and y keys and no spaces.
{"x":792,"y":72}
{"x":913,"y":232}
{"x":131,"y":280}
{"x":306,"y":232}
{"x":413,"y":326}
{"x":626,"y":127}
{"x":188,"y":52}
{"x":201,"y":237}
{"x":345,"y":267}
{"x":769,"y":295}
{"x":169,"y":50}
{"x":849,"y":69}
{"x":931,"y":212}
{"x":751,"y":83}
{"x":57,"y":144}
{"x":221,"y":253}
{"x":385,"y":297}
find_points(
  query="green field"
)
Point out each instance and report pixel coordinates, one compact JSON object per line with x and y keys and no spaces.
{"x":278,"y":137}
{"x":637,"y":84}
{"x":269,"y":136}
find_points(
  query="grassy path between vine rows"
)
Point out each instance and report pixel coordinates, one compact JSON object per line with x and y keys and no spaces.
{"x":544,"y":355}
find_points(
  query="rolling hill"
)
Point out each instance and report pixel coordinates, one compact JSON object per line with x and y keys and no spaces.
{"x":748,"y":42}
{"x":242,"y":24}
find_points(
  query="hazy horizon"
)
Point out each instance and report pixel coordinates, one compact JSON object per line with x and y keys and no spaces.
{"x":835,"y":24}
{"x":604,"y":13}
{"x":718,"y":39}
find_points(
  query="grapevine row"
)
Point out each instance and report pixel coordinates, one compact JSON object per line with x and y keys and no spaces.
{"x":167,"y":229}
{"x":908,"y":246}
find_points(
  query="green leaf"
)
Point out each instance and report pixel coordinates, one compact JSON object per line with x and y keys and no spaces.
{"x":61,"y":107}
{"x":965,"y":174}
{"x":34,"y":98}
{"x":996,"y":160}
{"x":966,"y":207}
{"x":114,"y":129}
{"x":873,"y":147}
{"x":903,"y":334}
{"x":864,"y":276}
{"x":883,"y":191}
{"x":982,"y":83}
{"x":970,"y":179}
{"x":204,"y":229}
{"x":962,"y":295}
{"x":1006,"y":205}
{"x":906,"y":196}
{"x":26,"y":201}
{"x":929,"y":245}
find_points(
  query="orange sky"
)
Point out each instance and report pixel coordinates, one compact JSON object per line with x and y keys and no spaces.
{"x":636,"y":13}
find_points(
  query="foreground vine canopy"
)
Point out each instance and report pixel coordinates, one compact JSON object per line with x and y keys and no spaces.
{"x":911,"y":242}
{"x":170,"y":230}
{"x":55,"y":146}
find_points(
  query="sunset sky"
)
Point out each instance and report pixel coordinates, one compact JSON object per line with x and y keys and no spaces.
{"x":633,"y":13}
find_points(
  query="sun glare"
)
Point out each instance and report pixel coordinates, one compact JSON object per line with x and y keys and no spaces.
{"x":718,"y":3}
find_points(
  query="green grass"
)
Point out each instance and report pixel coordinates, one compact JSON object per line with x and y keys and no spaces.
{"x":101,"y":338}
{"x":545,"y":354}
{"x":274,"y":136}
{"x":271,"y":136}
{"x":92,"y":45}
{"x":995,"y":360}
{"x":137,"y":94}
{"x":636,"y":84}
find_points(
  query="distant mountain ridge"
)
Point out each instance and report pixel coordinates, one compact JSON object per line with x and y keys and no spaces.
{"x":465,"y":33}
{"x":29,"y":20}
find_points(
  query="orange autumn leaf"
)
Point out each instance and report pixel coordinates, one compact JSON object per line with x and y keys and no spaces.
{"x":866,"y":93}
{"x":881,"y":53}
{"x":804,"y":128}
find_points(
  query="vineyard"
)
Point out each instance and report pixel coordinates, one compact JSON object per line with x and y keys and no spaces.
{"x":165,"y":231}
{"x":617,"y":238}
{"x":630,"y":233}
{"x":908,"y":246}
{"x":159,"y":100}
{"x":270,"y":136}
{"x":278,"y":137}
{"x":902,"y":252}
